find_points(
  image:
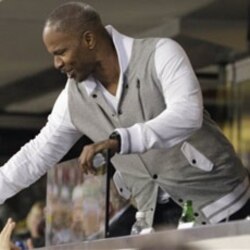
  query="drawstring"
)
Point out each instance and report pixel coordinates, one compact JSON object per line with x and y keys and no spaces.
{"x":138,"y":83}
{"x":138,"y":86}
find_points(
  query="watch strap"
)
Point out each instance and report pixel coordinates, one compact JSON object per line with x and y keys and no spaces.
{"x":116,"y":136}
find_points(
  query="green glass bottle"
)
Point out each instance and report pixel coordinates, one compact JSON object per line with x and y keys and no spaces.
{"x":187,"y":219}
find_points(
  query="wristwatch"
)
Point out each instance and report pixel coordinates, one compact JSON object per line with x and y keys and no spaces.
{"x":116,"y":136}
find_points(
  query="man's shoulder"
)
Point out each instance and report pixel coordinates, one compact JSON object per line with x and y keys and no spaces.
{"x":158,"y":41}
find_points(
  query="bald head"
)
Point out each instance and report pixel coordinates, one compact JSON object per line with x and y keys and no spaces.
{"x":74,"y":17}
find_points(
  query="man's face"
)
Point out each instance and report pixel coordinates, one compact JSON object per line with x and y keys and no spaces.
{"x":71,"y":54}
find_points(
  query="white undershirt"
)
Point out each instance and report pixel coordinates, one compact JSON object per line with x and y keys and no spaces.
{"x":109,"y":98}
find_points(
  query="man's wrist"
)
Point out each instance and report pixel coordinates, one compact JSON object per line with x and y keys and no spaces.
{"x":116,"y":136}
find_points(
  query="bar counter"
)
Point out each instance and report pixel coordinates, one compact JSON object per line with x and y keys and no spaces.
{"x":230,"y":235}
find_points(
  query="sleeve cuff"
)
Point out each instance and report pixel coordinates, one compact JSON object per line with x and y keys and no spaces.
{"x":124,"y":146}
{"x":131,"y":139}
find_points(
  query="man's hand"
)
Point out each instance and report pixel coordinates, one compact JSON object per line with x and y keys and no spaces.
{"x":89,"y":151}
{"x":5,"y":235}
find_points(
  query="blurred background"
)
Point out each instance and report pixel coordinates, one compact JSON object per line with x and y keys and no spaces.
{"x":214,"y":33}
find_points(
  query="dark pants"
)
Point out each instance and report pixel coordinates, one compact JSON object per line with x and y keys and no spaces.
{"x":166,"y":216}
{"x":240,"y":214}
{"x":122,"y":226}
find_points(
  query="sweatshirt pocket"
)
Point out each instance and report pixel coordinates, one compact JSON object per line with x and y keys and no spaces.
{"x":196,"y":158}
{"x":121,"y":186}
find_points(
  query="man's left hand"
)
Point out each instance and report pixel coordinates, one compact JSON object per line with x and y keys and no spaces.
{"x":89,"y":151}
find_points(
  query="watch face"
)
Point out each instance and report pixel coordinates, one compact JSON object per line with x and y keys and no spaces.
{"x":115,"y":135}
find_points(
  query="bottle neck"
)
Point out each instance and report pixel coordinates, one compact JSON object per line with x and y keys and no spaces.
{"x":188,"y":211}
{"x":140,"y":219}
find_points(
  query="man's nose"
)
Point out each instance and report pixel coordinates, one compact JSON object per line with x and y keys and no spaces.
{"x":58,"y":62}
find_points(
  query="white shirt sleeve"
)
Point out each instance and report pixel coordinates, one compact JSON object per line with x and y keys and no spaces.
{"x":183,"y":99}
{"x":43,"y":152}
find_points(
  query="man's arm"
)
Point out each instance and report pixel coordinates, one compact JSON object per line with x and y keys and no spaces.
{"x":43,"y":152}
{"x":183,"y":99}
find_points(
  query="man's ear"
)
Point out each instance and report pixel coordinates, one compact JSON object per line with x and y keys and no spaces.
{"x":89,"y":39}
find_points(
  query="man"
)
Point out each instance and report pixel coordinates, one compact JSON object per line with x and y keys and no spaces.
{"x":140,"y":99}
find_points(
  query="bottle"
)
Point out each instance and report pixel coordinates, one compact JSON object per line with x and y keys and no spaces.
{"x":187,"y":219}
{"x":140,"y":226}
{"x":99,"y":163}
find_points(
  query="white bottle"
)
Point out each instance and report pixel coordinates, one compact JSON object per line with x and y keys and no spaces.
{"x":141,"y":226}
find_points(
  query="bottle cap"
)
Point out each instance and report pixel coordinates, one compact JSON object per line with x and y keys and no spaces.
{"x":98,"y":161}
{"x":140,"y":214}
